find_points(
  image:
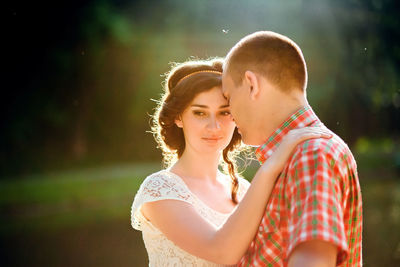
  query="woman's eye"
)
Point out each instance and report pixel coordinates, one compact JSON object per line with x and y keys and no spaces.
{"x":199,"y":113}
{"x":225,"y":113}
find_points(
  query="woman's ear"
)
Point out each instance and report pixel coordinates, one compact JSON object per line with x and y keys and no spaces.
{"x":252,"y":83}
{"x":178,"y":122}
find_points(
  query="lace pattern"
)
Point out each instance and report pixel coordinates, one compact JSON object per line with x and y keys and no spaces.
{"x":158,"y":186}
{"x":166,"y":185}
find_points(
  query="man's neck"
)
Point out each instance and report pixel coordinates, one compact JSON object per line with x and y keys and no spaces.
{"x":303,"y":117}
{"x":280,"y":113}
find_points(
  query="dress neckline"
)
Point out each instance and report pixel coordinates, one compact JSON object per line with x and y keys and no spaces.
{"x":195,"y":196}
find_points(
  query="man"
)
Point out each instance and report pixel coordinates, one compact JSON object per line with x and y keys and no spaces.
{"x":314,"y":215}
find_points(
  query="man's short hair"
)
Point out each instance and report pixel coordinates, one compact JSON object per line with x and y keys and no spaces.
{"x":270,"y":54}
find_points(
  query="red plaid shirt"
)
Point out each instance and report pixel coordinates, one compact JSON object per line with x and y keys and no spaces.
{"x":316,"y":197}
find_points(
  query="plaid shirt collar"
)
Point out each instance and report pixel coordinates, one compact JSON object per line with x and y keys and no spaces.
{"x":303,"y":117}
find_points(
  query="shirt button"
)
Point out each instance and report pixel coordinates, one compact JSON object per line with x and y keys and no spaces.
{"x":260,"y":229}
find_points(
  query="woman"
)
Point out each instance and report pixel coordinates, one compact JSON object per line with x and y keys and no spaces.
{"x":189,"y":213}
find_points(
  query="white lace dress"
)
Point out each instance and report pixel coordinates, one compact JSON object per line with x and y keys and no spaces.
{"x":167,"y":185}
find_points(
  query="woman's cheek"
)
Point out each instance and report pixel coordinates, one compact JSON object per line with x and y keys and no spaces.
{"x":228,"y":122}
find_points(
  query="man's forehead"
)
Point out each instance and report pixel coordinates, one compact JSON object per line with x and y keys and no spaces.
{"x":228,"y":83}
{"x":225,"y":84}
{"x":224,"y":90}
{"x":226,"y":78}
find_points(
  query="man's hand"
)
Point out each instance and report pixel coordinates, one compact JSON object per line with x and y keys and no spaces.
{"x":313,"y":253}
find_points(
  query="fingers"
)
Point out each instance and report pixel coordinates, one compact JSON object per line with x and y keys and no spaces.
{"x":320,"y":132}
{"x":310,"y":132}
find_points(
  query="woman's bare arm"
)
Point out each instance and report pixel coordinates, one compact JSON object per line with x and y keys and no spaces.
{"x":181,"y":224}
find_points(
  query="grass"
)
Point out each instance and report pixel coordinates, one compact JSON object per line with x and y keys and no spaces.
{"x":52,"y":203}
{"x":68,"y":198}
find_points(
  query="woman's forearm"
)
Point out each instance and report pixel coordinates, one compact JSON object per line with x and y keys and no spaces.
{"x":231,"y":241}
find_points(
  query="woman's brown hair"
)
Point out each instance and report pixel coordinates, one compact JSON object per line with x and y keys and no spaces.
{"x":182,"y":84}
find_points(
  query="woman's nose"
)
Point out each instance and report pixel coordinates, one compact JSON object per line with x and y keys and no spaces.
{"x":213,"y":123}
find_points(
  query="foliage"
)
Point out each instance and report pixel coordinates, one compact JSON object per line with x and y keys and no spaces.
{"x":92,"y":68}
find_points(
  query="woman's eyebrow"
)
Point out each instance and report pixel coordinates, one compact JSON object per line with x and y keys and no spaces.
{"x":205,"y":106}
{"x":199,"y":106}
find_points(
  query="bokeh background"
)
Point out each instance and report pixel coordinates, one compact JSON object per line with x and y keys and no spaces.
{"x":77,"y":88}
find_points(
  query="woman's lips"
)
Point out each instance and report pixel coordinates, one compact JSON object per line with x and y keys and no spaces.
{"x":212,"y":139}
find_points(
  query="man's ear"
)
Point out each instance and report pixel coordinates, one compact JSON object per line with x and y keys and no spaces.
{"x":178,"y":122}
{"x":250,"y":79}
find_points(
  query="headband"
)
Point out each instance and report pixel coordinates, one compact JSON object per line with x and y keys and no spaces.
{"x":200,"y":71}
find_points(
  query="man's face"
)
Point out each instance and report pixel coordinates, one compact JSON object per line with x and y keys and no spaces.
{"x":240,"y":107}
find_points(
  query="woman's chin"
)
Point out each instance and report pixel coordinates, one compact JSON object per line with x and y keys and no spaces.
{"x":212,"y":142}
{"x":213,"y":146}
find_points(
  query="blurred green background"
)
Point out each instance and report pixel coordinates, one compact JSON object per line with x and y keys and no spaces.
{"x":78,"y":82}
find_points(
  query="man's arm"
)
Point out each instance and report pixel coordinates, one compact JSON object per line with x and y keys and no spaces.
{"x":313,"y":253}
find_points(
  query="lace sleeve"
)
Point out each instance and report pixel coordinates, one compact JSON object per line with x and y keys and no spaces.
{"x":158,"y":186}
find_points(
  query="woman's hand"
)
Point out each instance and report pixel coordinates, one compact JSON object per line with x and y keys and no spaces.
{"x":294,"y":137}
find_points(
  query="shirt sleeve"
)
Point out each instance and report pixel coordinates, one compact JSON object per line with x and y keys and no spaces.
{"x":156,"y":187}
{"x":314,"y":201}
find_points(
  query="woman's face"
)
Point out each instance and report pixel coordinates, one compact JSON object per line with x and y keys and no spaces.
{"x":207,"y":123}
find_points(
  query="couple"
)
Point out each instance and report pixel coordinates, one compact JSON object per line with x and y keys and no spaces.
{"x":303,"y":206}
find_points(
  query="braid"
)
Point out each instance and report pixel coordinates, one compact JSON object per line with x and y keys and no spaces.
{"x":231,"y":169}
{"x":229,"y":154}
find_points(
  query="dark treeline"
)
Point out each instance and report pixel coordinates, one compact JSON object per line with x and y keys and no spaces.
{"x":80,"y":75}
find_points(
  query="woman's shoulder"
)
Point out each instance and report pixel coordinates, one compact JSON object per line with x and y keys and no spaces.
{"x":243,"y":182}
{"x":243,"y":187}
{"x":159,"y":178}
{"x":157,"y":175}
{"x":163,"y":185}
